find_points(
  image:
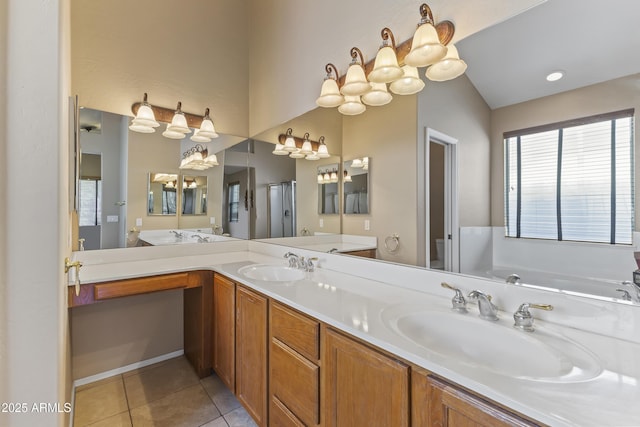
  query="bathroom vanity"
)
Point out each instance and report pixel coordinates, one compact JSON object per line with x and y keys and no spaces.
{"x":304,"y":348}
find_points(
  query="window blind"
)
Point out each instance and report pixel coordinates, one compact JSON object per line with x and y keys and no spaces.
{"x":572,"y":180}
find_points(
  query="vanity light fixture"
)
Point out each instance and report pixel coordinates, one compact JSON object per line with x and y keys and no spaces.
{"x":299,"y":148}
{"x":330,"y":95}
{"x":426,"y":48}
{"x":206,"y":131}
{"x":145,"y":119}
{"x":170,"y":184}
{"x":448,"y":68}
{"x":386,"y":68}
{"x":355,"y":83}
{"x":409,"y":84}
{"x":377,"y":96}
{"x":352,"y":106}
{"x":198,"y":158}
{"x":320,"y":178}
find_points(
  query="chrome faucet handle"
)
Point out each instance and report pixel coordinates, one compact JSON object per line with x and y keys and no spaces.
{"x":626,"y":296}
{"x":294,"y":261}
{"x":635,"y":288}
{"x":309,"y":265}
{"x":458,"y":302}
{"x":523,"y":318}
{"x":488,"y":310}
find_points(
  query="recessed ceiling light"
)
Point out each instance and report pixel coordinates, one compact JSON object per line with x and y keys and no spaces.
{"x":556,"y":75}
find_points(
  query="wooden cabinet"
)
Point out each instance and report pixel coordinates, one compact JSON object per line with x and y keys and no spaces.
{"x":224,"y":329}
{"x":435,"y":402}
{"x":294,"y":372}
{"x":251,"y":353}
{"x":362,"y":387}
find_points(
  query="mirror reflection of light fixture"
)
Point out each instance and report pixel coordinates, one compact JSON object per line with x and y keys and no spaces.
{"x":170,"y":184}
{"x":320,"y":179}
{"x":357,"y":163}
{"x":347,"y":177}
{"x":323,"y":152}
{"x":449,"y":67}
{"x":409,"y":84}
{"x":145,"y":119}
{"x":198,"y":158}
{"x":334,"y":177}
{"x":355,"y":83}
{"x":378,"y":95}
{"x":330,"y":93}
{"x":306,"y":145}
{"x":352,"y":106}
{"x":386,"y":68}
{"x":426,"y":48}
{"x":289,"y":142}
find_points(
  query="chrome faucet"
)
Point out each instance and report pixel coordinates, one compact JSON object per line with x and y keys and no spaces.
{"x":333,"y":250}
{"x":307,"y":264}
{"x":488,"y":310}
{"x":200,"y":238}
{"x":178,"y":235}
{"x":523,"y":318}
{"x":626,"y":296}
{"x":635,"y":289}
{"x":294,"y":260}
{"x":458,"y":302}
{"x":513,"y":279}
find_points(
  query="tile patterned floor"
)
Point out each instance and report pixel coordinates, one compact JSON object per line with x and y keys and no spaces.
{"x":168,"y":394}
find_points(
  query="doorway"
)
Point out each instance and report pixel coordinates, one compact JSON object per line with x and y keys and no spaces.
{"x":441,"y":228}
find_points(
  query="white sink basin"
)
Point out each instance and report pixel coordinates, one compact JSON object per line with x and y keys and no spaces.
{"x":496,"y":347}
{"x":271,"y":273}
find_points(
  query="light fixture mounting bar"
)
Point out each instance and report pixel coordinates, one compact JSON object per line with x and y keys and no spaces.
{"x":282,"y":137}
{"x":165,"y":115}
{"x":445,"y":29}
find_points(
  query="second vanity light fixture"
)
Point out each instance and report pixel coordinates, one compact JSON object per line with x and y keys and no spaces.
{"x":300,"y":148}
{"x":395,"y":66}
{"x":178,"y":122}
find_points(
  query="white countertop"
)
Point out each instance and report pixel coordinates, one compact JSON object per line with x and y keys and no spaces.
{"x":337,"y":294}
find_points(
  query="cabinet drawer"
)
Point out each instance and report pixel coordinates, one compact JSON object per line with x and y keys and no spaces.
{"x":280,"y":416}
{"x":295,"y":382}
{"x":296,"y":330}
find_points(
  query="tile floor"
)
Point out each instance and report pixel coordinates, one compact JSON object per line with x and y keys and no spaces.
{"x":168,"y":393}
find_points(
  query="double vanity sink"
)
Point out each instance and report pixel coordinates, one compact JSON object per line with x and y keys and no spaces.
{"x":464,"y":341}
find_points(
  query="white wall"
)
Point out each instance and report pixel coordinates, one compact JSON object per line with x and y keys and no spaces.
{"x":34,"y":240}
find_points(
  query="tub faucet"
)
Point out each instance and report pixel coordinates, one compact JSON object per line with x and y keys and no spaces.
{"x":488,"y":311}
{"x":513,"y":279}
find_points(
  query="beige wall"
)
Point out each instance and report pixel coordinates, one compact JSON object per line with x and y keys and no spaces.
{"x":192,"y":52}
{"x":388,"y":136}
{"x":600,"y":98}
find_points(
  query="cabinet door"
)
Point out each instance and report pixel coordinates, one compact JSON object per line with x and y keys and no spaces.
{"x":251,"y":353}
{"x":448,"y":405}
{"x":224,"y":331}
{"x":362,"y":387}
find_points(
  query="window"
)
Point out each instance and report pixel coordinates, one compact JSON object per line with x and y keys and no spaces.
{"x":572,"y":180}
{"x":90,"y":207}
{"x":234,"y":201}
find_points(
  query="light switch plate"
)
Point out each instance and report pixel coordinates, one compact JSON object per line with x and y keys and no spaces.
{"x":138,"y":222}
{"x":112,"y":218}
{"x":321,"y":222}
{"x":367,"y":225}
{"x":212,"y":220}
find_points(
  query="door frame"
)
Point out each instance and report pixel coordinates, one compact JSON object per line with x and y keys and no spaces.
{"x":451,"y":217}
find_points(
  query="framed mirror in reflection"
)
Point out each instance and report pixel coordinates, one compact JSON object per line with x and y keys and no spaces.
{"x":355,"y":182}
{"x":162,"y":195}
{"x":194,"y":195}
{"x":328,"y":192}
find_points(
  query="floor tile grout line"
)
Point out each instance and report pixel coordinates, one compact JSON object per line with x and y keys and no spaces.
{"x":126,"y":398}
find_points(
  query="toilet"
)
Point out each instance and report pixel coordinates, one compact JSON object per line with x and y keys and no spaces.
{"x":439,"y":261}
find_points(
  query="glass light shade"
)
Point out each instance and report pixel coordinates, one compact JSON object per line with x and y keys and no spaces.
{"x":377,"y":96}
{"x":386,"y":68}
{"x":323,"y":152}
{"x":296,"y":154}
{"x":212,"y":160}
{"x":207,"y":129}
{"x":179,"y":123}
{"x":312,"y":156}
{"x":449,"y":67}
{"x":329,"y":94}
{"x":193,"y":184}
{"x":290,"y":144}
{"x":320,"y":179}
{"x":136,"y":127}
{"x":356,"y":163}
{"x":306,"y":147}
{"x":334,"y":176}
{"x":145,"y":116}
{"x":172,"y":134}
{"x":280,"y":151}
{"x":326,"y":178}
{"x":409,"y":84}
{"x":347,"y":177}
{"x":426,"y":48}
{"x":169,"y":184}
{"x":199,"y":137}
{"x":355,"y":84}
{"x":352,"y":106}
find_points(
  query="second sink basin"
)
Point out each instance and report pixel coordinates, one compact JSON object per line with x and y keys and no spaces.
{"x":496,"y":347}
{"x":271,"y":273}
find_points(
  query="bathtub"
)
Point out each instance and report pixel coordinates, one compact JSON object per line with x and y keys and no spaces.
{"x":562,"y":283}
